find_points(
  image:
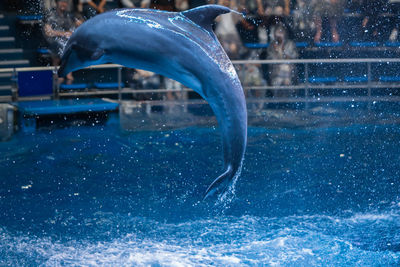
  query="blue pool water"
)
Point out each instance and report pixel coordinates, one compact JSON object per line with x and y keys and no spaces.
{"x":98,"y":195}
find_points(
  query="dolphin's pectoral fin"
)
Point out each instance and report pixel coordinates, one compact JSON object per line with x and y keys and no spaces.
{"x":220,"y":184}
{"x":205,"y":15}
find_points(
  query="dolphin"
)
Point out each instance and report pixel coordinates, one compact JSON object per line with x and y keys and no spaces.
{"x":178,"y":45}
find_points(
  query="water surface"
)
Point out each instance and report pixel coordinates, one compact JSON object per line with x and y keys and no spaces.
{"x":98,"y":195}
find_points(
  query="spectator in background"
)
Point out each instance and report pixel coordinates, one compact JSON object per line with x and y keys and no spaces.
{"x":248,"y":27}
{"x":167,"y":5}
{"x":181,"y":5}
{"x":331,"y":10}
{"x":176,"y":92}
{"x":226,"y":30}
{"x":91,"y":8}
{"x":251,"y":76}
{"x":252,"y":7}
{"x":52,"y":4}
{"x":129,"y":3}
{"x":277,"y":7}
{"x":173,"y":85}
{"x":77,"y":10}
{"x":58,"y":27}
{"x":281,"y":48}
{"x":354,"y":6}
{"x":143,"y":79}
{"x":394,"y":7}
{"x":372,"y":23}
{"x":74,"y":6}
{"x":274,"y":12}
{"x":302,"y":23}
{"x":197,"y":3}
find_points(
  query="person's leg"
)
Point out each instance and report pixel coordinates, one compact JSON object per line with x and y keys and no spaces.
{"x":56,"y":62}
{"x":334,"y":30}
{"x":395,"y":9}
{"x":318,"y":29}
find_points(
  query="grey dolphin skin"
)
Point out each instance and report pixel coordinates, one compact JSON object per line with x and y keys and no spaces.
{"x":178,"y":45}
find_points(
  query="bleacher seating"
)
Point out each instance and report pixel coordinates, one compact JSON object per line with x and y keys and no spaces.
{"x":351,"y":46}
{"x":10,"y":57}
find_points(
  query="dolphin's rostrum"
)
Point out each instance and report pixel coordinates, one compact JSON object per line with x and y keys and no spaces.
{"x":181,"y":46}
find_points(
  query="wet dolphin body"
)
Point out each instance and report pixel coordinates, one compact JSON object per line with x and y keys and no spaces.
{"x":181,"y":46}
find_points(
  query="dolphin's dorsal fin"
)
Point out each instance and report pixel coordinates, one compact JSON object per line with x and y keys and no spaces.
{"x":205,"y":15}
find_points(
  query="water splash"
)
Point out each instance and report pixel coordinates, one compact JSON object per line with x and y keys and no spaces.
{"x":246,"y":240}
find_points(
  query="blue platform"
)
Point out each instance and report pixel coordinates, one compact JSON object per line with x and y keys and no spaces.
{"x":302,"y":44}
{"x":364,"y":44}
{"x":356,"y":79}
{"x":74,"y":86}
{"x":29,"y":17}
{"x":256,"y":45}
{"x":322,"y":79}
{"x":392,"y":44}
{"x":328,"y":44}
{"x":43,"y":51}
{"x":389,"y":78}
{"x":107,"y":85}
{"x":67,"y":106}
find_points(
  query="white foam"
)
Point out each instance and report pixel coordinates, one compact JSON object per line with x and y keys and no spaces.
{"x":230,"y":241}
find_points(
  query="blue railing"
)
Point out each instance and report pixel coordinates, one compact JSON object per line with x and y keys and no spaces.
{"x":306,"y":83}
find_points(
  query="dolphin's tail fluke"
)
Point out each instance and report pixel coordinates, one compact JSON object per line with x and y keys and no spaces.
{"x":221,"y":183}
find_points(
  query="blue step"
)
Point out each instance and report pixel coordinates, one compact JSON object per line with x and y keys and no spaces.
{"x":11,"y":54}
{"x":74,"y":86}
{"x":106,"y":85}
{"x":392,"y":44}
{"x":7,"y":42}
{"x":65,"y":106}
{"x":29,"y":19}
{"x":4,"y":30}
{"x":364,"y":44}
{"x":322,"y":79}
{"x":256,"y":45}
{"x":19,"y":63}
{"x":6,"y":77}
{"x":356,"y":79}
{"x":328,"y":44}
{"x":302,"y":44}
{"x":5,"y":90}
{"x":43,"y":51}
{"x":389,"y":78}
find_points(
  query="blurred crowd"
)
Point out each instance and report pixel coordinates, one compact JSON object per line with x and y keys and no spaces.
{"x":280,"y":23}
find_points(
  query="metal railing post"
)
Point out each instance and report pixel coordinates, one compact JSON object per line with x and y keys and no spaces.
{"x":306,"y":83}
{"x":14,"y":88}
{"x":56,"y":85}
{"x":369,"y":78}
{"x":119,"y":84}
{"x":369,"y":84}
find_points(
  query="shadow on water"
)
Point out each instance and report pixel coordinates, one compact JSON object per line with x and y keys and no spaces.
{"x":320,"y":188}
